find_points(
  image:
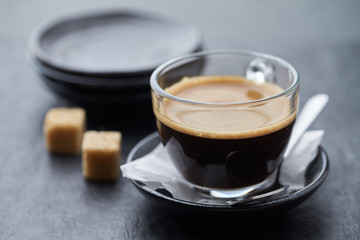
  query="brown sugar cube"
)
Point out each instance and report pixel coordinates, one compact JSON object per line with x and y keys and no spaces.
{"x":63,"y":130}
{"x":101,"y":155}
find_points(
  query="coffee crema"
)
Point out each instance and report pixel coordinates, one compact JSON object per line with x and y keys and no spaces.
{"x":225,"y":122}
{"x":230,"y":145}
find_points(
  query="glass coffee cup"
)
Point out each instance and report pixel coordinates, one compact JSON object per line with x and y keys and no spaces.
{"x":225,"y":118}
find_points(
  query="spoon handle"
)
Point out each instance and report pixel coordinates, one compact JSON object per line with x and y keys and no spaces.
{"x":310,"y":111}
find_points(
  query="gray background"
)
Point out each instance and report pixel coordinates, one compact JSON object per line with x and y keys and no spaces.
{"x":45,"y":197}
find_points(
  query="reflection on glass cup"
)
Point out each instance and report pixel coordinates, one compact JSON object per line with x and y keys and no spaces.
{"x":226,"y":118}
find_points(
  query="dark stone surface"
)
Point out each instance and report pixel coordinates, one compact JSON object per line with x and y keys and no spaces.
{"x":45,"y":197}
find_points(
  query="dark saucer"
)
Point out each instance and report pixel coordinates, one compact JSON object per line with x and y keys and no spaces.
{"x":119,"y":43}
{"x":315,"y":176}
{"x":88,"y":95}
{"x":90,"y":91}
{"x":129,"y":82}
{"x":107,"y":57}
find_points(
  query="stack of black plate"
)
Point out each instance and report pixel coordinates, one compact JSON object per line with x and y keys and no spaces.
{"x":108,"y":57}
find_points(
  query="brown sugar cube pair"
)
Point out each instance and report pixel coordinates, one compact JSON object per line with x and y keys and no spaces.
{"x":64,"y":132}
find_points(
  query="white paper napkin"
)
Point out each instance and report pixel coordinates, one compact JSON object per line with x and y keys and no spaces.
{"x":156,"y":170}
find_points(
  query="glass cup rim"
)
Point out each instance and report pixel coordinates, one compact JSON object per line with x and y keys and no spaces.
{"x":162,"y":93}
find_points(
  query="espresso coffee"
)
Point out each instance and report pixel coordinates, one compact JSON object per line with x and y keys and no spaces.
{"x":230,"y":145}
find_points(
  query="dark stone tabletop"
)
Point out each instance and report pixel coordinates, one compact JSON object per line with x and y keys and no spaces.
{"x":43,"y":196}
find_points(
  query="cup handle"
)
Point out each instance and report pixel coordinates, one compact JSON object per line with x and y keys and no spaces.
{"x":260,"y":71}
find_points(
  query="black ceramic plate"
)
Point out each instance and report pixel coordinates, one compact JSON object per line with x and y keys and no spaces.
{"x":315,"y":175}
{"x":121,"y":43}
{"x":126,"y":82}
{"x":94,"y":95}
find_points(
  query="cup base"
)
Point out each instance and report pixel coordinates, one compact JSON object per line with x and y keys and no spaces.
{"x":237,"y":192}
